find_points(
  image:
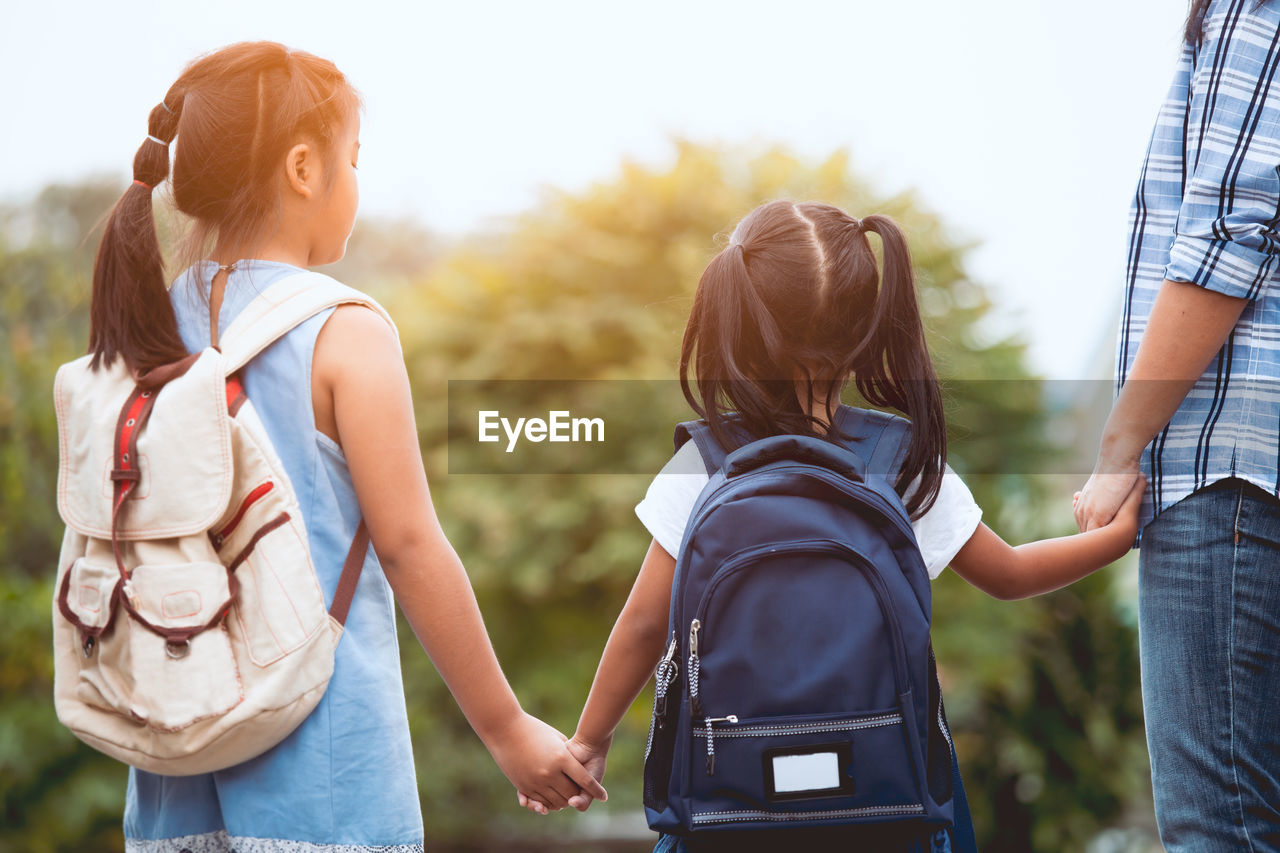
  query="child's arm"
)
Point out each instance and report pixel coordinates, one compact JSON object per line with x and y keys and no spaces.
{"x":634,"y":648}
{"x":361,"y":391}
{"x":1007,"y":572}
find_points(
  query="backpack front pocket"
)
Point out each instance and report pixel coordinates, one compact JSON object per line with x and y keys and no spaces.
{"x":166,"y":662}
{"x":776,"y":739}
{"x":87,"y":599}
{"x":806,"y":769}
{"x":279,"y":605}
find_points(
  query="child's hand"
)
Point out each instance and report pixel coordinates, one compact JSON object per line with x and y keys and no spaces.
{"x":592,"y":757}
{"x":533,"y":756}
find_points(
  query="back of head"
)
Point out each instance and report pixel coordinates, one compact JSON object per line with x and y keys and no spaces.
{"x":233,"y":114}
{"x":799,"y":297}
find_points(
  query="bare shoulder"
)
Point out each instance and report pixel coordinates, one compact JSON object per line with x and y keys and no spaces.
{"x":358,"y":324}
{"x":354,"y":337}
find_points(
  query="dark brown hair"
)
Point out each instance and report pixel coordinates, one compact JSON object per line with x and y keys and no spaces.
{"x":1193,"y":29}
{"x":797,"y":295}
{"x":235,"y":113}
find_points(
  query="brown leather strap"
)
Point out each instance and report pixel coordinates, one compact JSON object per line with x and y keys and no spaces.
{"x":158,"y":377}
{"x":125,"y":474}
{"x":350,"y":574}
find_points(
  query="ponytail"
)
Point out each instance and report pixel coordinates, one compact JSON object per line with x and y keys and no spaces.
{"x":130,"y":316}
{"x":740,"y":357}
{"x":891,"y":366}
{"x":798,"y":298}
{"x":241,"y":108}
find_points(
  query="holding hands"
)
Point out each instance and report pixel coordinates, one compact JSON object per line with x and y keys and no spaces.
{"x":547,"y":770}
{"x":1098,"y":503}
{"x":591,"y":757}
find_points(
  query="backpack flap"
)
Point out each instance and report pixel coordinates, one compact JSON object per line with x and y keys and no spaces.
{"x":183,"y":455}
{"x":179,"y":601}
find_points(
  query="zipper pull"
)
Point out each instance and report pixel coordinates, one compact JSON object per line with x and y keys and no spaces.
{"x":695,"y":700}
{"x":663,"y":676}
{"x":711,"y":750}
{"x":711,"y":744}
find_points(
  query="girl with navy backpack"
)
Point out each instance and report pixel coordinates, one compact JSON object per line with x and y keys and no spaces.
{"x":789,"y":312}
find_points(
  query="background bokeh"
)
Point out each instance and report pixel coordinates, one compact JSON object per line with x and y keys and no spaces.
{"x":596,"y":284}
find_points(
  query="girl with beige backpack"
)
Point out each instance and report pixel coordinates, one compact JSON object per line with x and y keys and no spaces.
{"x":229,"y":446}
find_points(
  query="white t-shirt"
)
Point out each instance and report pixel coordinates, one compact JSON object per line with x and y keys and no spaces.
{"x":941,"y":532}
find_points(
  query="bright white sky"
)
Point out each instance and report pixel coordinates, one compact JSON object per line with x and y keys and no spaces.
{"x":1022,"y":122}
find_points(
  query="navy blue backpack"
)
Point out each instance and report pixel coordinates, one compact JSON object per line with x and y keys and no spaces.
{"x":798,"y":687}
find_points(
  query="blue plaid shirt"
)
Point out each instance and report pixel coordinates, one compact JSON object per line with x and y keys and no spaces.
{"x":1206,"y":212}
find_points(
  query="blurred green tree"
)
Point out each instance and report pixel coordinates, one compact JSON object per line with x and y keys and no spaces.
{"x":46,"y":254}
{"x":1042,"y":694}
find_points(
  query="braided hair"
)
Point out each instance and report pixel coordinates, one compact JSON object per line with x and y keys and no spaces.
{"x":234,"y":114}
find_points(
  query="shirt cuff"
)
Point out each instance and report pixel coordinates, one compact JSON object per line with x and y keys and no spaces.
{"x":1229,"y":267}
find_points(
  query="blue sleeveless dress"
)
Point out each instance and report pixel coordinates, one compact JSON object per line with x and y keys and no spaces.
{"x":344,"y":780}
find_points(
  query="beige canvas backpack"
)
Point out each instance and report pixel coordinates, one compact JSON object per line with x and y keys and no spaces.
{"x":190,"y":631}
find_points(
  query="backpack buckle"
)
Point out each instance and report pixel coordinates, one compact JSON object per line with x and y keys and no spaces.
{"x":177,"y":649}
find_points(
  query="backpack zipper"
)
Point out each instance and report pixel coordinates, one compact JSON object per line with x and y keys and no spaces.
{"x":695,"y":669}
{"x":249,"y":500}
{"x":844,"y":724}
{"x":666,"y":673}
{"x":711,"y":743}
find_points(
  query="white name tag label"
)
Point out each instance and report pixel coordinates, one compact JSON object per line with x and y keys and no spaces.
{"x":816,"y":771}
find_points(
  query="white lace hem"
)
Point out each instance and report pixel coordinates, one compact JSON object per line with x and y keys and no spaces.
{"x":221,"y":842}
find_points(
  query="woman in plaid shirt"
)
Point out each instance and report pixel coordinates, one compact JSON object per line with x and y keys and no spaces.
{"x":1198,"y":412}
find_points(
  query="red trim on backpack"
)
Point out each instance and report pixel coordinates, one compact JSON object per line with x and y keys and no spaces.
{"x":249,"y":500}
{"x":235,"y":395}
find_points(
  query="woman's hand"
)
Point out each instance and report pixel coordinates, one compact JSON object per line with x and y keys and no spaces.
{"x":1096,"y":504}
{"x":535,"y":758}
{"x":1123,"y":526}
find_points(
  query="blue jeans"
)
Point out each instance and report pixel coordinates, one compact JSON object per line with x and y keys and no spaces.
{"x":1209,"y":628}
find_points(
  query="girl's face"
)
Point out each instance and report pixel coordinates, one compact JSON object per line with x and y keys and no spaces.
{"x":337,"y":215}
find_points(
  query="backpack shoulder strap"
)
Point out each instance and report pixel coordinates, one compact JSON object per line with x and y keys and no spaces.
{"x":282,"y":307}
{"x":712,"y":454}
{"x":880,"y":438}
{"x":273,"y":313}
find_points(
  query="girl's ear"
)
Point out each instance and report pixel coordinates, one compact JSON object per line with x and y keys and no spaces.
{"x":301,"y":170}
